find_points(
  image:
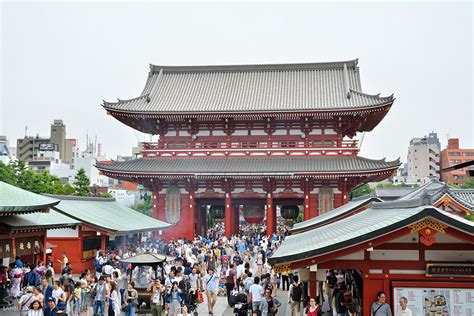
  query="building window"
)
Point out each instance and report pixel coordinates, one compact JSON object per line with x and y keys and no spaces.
{"x":455,"y":153}
{"x":458,"y":177}
{"x":468,"y":153}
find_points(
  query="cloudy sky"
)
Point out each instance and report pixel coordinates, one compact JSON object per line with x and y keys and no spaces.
{"x":62,"y":60}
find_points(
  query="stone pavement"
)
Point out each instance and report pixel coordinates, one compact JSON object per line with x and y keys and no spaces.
{"x":222,"y":309}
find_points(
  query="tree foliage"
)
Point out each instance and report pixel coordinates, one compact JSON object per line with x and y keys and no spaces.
{"x":144,"y":207}
{"x":81,"y":183}
{"x":361,"y":190}
{"x":16,"y":173}
{"x":468,"y":184}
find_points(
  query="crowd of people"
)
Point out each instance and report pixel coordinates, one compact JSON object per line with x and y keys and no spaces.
{"x":199,"y":270}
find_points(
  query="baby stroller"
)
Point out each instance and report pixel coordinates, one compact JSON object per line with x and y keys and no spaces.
{"x":222,"y":289}
{"x":241,"y":305}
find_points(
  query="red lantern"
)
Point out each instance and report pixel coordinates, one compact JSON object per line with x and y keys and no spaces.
{"x":217,"y":211}
{"x":254,"y":214}
{"x":289,"y":211}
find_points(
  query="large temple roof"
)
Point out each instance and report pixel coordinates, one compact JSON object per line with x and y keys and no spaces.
{"x":309,"y":87}
{"x":258,"y":166}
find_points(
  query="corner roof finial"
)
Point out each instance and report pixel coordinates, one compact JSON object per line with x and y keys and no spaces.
{"x":346,"y":82}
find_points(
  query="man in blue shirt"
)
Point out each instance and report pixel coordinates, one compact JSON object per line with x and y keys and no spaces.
{"x":18,"y":262}
{"x":48,"y":293}
{"x":211,"y":281}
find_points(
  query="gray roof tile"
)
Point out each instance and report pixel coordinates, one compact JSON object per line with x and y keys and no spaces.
{"x":251,"y":88}
{"x":246,"y":166}
{"x":333,"y":215}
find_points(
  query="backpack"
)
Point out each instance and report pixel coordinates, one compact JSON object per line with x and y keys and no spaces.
{"x":296,"y":293}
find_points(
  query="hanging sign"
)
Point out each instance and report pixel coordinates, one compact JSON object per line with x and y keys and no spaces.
{"x":460,"y":270}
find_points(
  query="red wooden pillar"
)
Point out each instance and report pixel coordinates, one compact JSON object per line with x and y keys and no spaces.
{"x":271,"y":227}
{"x":228,"y":214}
{"x":314,"y":205}
{"x":313,"y":292}
{"x":103,"y":243}
{"x":236,"y":219}
{"x":45,"y":241}
{"x":192,"y":215}
{"x":307,"y":209}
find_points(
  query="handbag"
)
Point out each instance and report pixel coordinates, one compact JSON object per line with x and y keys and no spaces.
{"x":200,"y":297}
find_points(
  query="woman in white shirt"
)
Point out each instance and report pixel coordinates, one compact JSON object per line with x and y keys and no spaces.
{"x":35,"y":309}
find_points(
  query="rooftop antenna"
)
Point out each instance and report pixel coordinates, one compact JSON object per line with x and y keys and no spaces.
{"x":26,"y":130}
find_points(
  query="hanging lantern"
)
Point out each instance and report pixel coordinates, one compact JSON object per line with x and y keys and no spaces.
{"x":254,"y":214}
{"x":289,"y":211}
{"x":217,"y":211}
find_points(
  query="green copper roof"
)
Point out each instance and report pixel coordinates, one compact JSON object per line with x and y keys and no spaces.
{"x":49,"y":220}
{"x":14,"y":200}
{"x":382,"y":218}
{"x":108,"y":215}
{"x":333,"y":215}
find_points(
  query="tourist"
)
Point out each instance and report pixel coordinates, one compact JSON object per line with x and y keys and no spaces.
{"x":174,"y":299}
{"x":269,"y":305}
{"x":59,"y":296}
{"x":18,"y":262}
{"x":64,"y":263}
{"x":313,"y":308}
{"x":36,"y":309}
{"x":157,"y":297}
{"x":114,"y":301}
{"x":25,"y":300}
{"x":256,"y":293}
{"x":38,"y":295}
{"x":211,"y":283}
{"x":295,"y":295}
{"x":404,"y":311}
{"x":40,"y":268}
{"x":100,"y":293}
{"x":52,"y":310}
{"x":77,"y":298}
{"x":231,"y":282}
{"x":48,"y":276}
{"x":130,"y":299}
{"x":15,"y":275}
{"x":379,"y":307}
{"x":339,"y":301}
{"x":47,"y":290}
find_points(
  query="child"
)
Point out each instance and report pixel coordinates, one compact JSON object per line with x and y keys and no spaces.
{"x":78,"y":297}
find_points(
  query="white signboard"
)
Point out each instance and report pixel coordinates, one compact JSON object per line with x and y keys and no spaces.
{"x":436,"y":301}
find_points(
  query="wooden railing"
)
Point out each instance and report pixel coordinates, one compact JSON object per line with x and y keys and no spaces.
{"x":209,"y":148}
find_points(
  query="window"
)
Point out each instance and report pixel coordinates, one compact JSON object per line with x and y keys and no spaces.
{"x":458,"y":177}
{"x":469,"y":153}
{"x":455,"y":153}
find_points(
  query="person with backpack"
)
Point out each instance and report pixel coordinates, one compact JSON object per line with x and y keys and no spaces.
{"x":339,"y":301}
{"x":379,"y":307}
{"x":295,"y":295}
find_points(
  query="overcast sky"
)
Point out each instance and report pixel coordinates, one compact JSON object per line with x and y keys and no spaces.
{"x":59,"y":61}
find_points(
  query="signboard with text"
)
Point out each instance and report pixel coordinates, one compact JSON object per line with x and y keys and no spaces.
{"x":435,"y":301}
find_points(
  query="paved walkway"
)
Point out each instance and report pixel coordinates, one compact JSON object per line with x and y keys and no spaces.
{"x":221,"y":307}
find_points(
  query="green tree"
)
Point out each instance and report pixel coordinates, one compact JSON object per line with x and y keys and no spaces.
{"x":82,"y":183}
{"x":7,"y":173}
{"x":468,"y":184}
{"x":144,"y":207}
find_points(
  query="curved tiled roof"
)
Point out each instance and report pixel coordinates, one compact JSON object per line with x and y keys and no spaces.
{"x":364,"y":226}
{"x":14,"y":200}
{"x":333,"y":215}
{"x":107,"y":214}
{"x":251,"y":88}
{"x":246,"y":166}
